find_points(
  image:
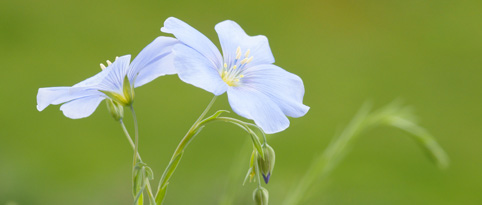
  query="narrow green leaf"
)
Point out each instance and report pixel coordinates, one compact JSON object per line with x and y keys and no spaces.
{"x":161,"y":194}
{"x":167,"y":175}
{"x":172,"y":167}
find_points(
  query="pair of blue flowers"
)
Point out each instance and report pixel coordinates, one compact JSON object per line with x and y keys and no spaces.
{"x":257,"y":89}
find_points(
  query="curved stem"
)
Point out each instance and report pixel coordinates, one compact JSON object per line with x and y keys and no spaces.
{"x":128,"y":136}
{"x":173,"y":163}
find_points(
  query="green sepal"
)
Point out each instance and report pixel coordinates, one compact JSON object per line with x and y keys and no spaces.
{"x":128,"y":90}
{"x":142,"y":173}
{"x":127,"y":96}
{"x":250,"y":170}
{"x":115,"y":109}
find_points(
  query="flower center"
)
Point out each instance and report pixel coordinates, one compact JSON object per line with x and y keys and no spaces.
{"x":232,"y":71}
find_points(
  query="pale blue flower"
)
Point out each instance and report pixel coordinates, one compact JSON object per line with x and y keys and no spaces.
{"x":82,"y":99}
{"x":256,"y":88}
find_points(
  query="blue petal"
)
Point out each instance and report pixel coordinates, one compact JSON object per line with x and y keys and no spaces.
{"x":232,"y":36}
{"x":113,"y":78}
{"x":252,"y":104}
{"x":57,"y":95}
{"x":195,"y":69}
{"x":81,"y":107}
{"x":194,"y":39}
{"x":153,"y":61}
{"x":283,"y":88}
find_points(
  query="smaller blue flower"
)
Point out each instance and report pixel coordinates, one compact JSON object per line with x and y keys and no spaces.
{"x":115,"y":82}
{"x":256,"y":88}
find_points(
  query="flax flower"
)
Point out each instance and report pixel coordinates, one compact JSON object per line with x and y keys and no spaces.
{"x":115,"y":82}
{"x":256,"y":88}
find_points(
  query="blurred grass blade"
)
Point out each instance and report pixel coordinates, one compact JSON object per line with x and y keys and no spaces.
{"x":425,"y":139}
{"x":394,"y":115}
{"x":326,"y":162}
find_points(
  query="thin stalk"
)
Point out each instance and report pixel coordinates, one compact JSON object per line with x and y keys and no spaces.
{"x":128,"y":136}
{"x":136,"y":137}
{"x":257,"y":171}
{"x":180,"y":148}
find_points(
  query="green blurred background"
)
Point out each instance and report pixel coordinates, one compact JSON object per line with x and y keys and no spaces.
{"x":428,"y":53}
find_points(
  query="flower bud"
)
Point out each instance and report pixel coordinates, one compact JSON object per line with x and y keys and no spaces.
{"x":266,"y":165}
{"x":261,"y":196}
{"x":115,"y":109}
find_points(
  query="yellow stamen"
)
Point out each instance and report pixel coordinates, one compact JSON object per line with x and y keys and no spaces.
{"x":234,"y":67}
{"x":244,"y":61}
{"x":250,"y":59}
{"x":102,"y":66}
{"x":225,"y":65}
{"x":247,"y":53}
{"x":238,"y":53}
{"x":108,"y":62}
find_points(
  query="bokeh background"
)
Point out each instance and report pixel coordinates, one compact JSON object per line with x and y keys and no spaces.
{"x":427,"y":53}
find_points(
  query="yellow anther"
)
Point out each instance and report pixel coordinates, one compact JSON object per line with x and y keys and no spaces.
{"x":116,"y":58}
{"x":238,"y":50}
{"x":247,"y":53}
{"x":238,"y":53}
{"x":108,"y":62}
{"x":225,"y":65}
{"x":250,"y":59}
{"x":102,"y":66}
{"x":244,"y":61}
{"x":241,"y":76}
{"x":237,"y":80}
{"x":234,"y":67}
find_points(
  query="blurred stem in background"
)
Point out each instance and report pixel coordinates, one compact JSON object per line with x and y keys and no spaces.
{"x":236,"y":172}
{"x":393,"y":115}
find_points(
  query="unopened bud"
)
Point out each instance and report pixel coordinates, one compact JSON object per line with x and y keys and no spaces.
{"x":266,"y":165}
{"x":115,"y":109}
{"x":261,"y":196}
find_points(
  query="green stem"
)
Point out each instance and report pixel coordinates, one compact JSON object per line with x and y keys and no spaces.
{"x":257,"y":171}
{"x":178,"y":152}
{"x":148,"y":184}
{"x":136,"y":137}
